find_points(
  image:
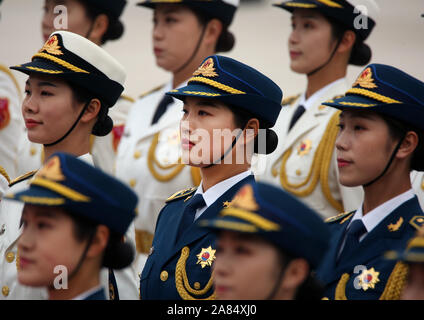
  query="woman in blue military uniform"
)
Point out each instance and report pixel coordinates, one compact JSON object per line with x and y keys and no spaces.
{"x":379,"y":142}
{"x":268,"y":246}
{"x":238,"y":101}
{"x":71,"y":223}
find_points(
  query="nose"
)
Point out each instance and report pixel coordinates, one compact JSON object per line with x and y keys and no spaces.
{"x":342,"y":141}
{"x":29,"y":105}
{"x":293,"y":37}
{"x":158,"y":33}
{"x":48,"y":17}
{"x":26,"y":240}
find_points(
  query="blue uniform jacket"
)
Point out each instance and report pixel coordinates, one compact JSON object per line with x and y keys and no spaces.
{"x":173,"y":270}
{"x":98,"y":295}
{"x":373,"y":270}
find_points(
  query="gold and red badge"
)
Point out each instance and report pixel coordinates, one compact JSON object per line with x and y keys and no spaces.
{"x":206,"y":257}
{"x":244,"y":199}
{"x":365,"y":80}
{"x":304,"y":147}
{"x":52,"y":46}
{"x":4,"y":113}
{"x":52,"y":170}
{"x":368,"y":279}
{"x":206,"y":69}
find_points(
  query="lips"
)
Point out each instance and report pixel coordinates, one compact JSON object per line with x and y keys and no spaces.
{"x":24,"y":262}
{"x":187,"y":144}
{"x":343,"y":163}
{"x":221,"y":290}
{"x":294,"y":54}
{"x":30,"y":123}
{"x":157,"y":51}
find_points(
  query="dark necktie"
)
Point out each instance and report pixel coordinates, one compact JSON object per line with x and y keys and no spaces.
{"x":189,"y":213}
{"x":297,"y":114}
{"x":161,"y":108}
{"x":355,"y":231}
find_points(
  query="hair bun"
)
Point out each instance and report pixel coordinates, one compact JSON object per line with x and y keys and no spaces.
{"x":271,"y":140}
{"x":103,"y":126}
{"x":361,"y":54}
{"x":225,"y":41}
{"x":118,"y":255}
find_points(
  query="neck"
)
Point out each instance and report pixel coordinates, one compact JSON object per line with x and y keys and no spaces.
{"x":330,"y":73}
{"x":85,"y":280}
{"x":382,"y":190}
{"x":220,"y":172}
{"x":77,"y":144}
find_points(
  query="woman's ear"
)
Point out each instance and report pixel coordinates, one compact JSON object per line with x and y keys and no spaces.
{"x":348,"y":40}
{"x":252,"y":130}
{"x":92,"y":110}
{"x":99,"y":242}
{"x":296,"y":273}
{"x":408,"y":145}
{"x":213,"y":32}
{"x":99,"y":28}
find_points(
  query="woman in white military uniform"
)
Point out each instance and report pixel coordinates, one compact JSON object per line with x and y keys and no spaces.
{"x":71,"y":86}
{"x":184,"y":33}
{"x":11,"y":125}
{"x":98,"y":21}
{"x":322,"y":43}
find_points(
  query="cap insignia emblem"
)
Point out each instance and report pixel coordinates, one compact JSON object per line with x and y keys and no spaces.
{"x":52,"y":46}
{"x":206,"y":69}
{"x":52,"y":170}
{"x":365,"y":80}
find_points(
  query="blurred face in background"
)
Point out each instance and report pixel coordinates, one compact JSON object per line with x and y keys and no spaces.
{"x":310,"y":42}
{"x":176,"y":32}
{"x":78,"y":20}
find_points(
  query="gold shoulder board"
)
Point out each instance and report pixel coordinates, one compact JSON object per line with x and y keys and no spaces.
{"x":151,"y":91}
{"x":128,"y":98}
{"x":290,"y":100}
{"x":22,"y":178}
{"x":339,"y":217}
{"x":181,"y":194}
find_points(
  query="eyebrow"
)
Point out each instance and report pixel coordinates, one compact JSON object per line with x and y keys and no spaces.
{"x":42,"y":84}
{"x":363,"y":115}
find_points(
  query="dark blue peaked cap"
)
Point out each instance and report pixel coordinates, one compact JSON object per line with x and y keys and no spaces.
{"x":276,"y":216}
{"x":236,"y":84}
{"x":112,"y":7}
{"x":386,"y":90}
{"x":65,"y":181}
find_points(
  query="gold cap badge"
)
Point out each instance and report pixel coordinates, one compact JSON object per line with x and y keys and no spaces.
{"x":52,"y":46}
{"x":52,"y":170}
{"x":244,"y":199}
{"x":365,"y":80}
{"x":206,"y":69}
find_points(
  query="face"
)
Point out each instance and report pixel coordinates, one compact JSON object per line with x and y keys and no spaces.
{"x":310,"y":42}
{"x":176,"y":32}
{"x":207,"y":130}
{"x":49,"y":108}
{"x":363,"y":146}
{"x":414,"y":289}
{"x":77,"y":19}
{"x":47,"y":241}
{"x":246,"y":267}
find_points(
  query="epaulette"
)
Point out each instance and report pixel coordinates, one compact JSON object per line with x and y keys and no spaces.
{"x":417,"y":222}
{"x":340,"y":216}
{"x":4,"y":174}
{"x":22,"y":178}
{"x":12,"y":77}
{"x":181,"y":194}
{"x":290,"y":100}
{"x":128,"y":98}
{"x":151,"y":91}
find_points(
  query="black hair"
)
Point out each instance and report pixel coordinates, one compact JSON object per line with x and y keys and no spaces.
{"x":242,"y":117}
{"x":115,"y":28}
{"x":226,"y":39}
{"x":104,"y":123}
{"x":361,"y":53}
{"x":117,"y":255}
{"x":397,"y":130}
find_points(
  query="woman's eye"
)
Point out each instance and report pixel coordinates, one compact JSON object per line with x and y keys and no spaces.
{"x":202,"y":113}
{"x":358,"y":127}
{"x":341,"y":126}
{"x":43,"y":225}
{"x":27,"y":92}
{"x":45,"y":93}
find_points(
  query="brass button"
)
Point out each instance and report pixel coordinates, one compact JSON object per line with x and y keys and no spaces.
{"x":298,"y":172}
{"x":33,"y":151}
{"x":197,"y":285}
{"x":164,"y":275}
{"x":133,"y":183}
{"x":10,"y":257}
{"x":137,"y":154}
{"x":5,"y":290}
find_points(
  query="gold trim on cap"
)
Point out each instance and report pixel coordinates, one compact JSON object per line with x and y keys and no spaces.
{"x":61,"y":62}
{"x":61,"y":189}
{"x":216,"y":84}
{"x":251,"y":217}
{"x":372,"y":95}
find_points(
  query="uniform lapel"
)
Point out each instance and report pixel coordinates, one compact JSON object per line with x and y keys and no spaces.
{"x":194,"y":232}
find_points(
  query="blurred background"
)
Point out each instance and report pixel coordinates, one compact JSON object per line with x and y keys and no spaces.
{"x":261,"y":32}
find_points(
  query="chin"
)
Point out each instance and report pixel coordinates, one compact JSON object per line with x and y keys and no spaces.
{"x":31,"y":280}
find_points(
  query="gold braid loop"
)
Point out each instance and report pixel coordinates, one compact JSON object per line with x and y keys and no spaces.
{"x":372,"y":95}
{"x":196,"y":177}
{"x":319,"y":169}
{"x":4,"y":174}
{"x":61,"y":62}
{"x":216,"y":84}
{"x":181,"y":280}
{"x":341,"y":287}
{"x":396,"y":282}
{"x":151,"y":161}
